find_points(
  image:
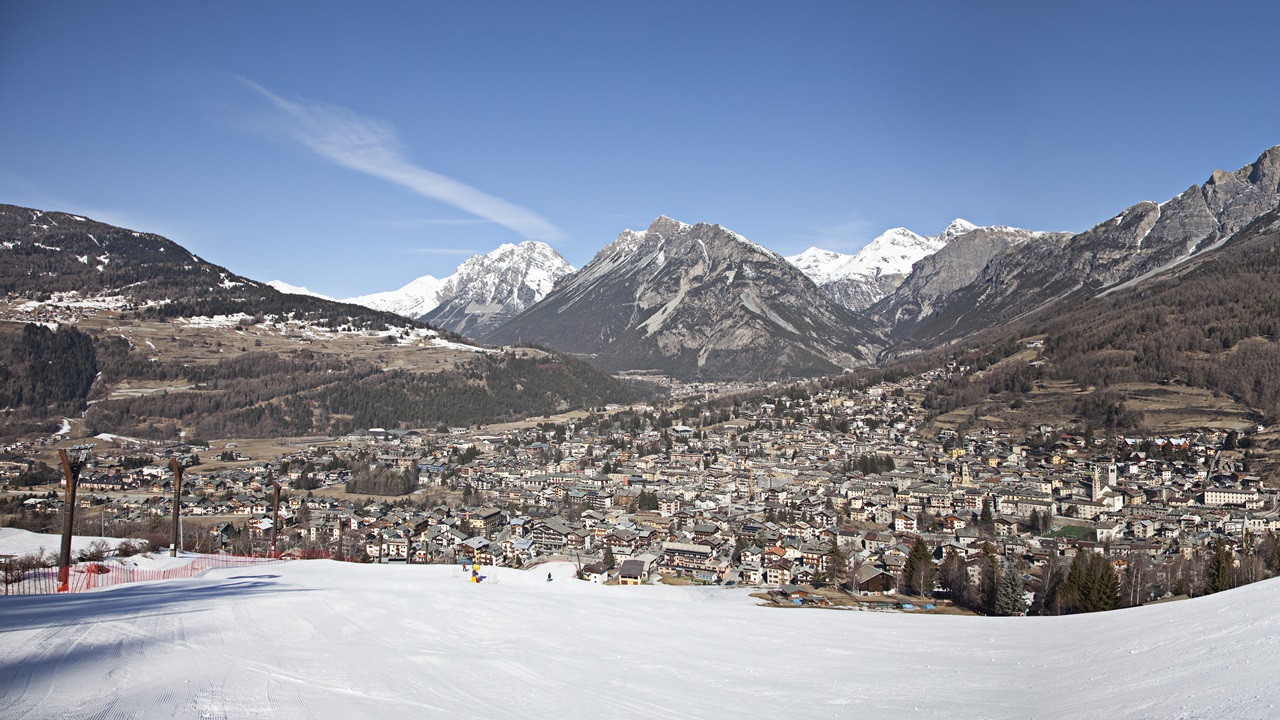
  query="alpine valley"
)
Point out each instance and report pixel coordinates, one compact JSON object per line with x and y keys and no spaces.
{"x":139,"y":336}
{"x":674,"y":302}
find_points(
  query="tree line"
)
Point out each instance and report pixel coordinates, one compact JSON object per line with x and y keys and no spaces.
{"x":43,"y":371}
{"x":260,"y":394}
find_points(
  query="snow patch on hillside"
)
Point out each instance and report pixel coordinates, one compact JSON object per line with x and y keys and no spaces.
{"x":213,"y":321}
{"x":73,"y":300}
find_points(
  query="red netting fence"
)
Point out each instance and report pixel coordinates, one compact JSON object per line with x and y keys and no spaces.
{"x":115,"y":571}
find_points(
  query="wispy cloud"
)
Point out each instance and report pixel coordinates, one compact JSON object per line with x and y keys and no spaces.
{"x":373,"y":147}
{"x":432,"y":222}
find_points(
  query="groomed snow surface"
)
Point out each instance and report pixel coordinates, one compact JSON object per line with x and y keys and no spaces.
{"x":322,"y":639}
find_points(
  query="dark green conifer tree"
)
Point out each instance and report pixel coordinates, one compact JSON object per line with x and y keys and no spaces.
{"x":918,"y":572}
{"x":990,"y":586}
{"x":1099,"y":586}
{"x":1010,"y":599}
{"x":837,"y":564}
{"x":953,"y":576}
{"x":1219,"y":572}
{"x":986,"y":521}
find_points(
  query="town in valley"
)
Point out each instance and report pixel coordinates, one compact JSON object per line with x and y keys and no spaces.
{"x":810,"y":493}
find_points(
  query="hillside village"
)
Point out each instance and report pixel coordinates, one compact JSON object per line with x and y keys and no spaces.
{"x":792,"y":491}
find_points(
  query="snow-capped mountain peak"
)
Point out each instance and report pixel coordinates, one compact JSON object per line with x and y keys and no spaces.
{"x":958,"y":227}
{"x":413,"y":300}
{"x":484,"y":291}
{"x":892,"y":253}
{"x":857,"y":281}
{"x":536,"y":264}
{"x":822,"y":266}
{"x":288,"y":289}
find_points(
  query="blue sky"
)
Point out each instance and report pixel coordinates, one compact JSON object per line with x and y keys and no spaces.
{"x":353,"y":147}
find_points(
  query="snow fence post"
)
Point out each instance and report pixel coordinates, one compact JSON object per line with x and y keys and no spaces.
{"x":177,"y":503}
{"x":72,"y":473}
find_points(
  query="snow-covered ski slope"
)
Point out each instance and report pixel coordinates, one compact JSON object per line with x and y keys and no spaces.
{"x":21,"y":542}
{"x":320,"y":639}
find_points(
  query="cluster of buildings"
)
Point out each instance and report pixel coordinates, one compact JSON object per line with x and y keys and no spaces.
{"x":777,"y":491}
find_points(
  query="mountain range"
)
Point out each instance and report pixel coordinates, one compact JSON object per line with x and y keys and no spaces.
{"x":698,"y":301}
{"x":1013,"y":274}
{"x":701,"y":302}
{"x":484,"y":292}
{"x":488,"y":290}
{"x":91,"y":311}
{"x":695,"y":301}
{"x":858,"y":281}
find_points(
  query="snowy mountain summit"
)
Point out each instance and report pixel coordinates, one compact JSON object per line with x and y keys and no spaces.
{"x":958,"y":227}
{"x":484,"y":292}
{"x":487,"y":290}
{"x":413,"y":300}
{"x":288,"y":289}
{"x":858,"y":281}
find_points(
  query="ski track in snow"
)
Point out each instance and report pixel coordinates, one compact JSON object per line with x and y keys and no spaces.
{"x":320,"y":639}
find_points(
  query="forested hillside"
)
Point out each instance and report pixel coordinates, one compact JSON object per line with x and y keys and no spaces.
{"x":43,"y":371}
{"x":493,"y":387}
{"x":264,"y":395}
{"x":1213,"y":323}
{"x":304,"y":380}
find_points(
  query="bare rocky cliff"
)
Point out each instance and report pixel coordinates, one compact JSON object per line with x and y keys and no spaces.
{"x":977,"y":282}
{"x":695,"y":301}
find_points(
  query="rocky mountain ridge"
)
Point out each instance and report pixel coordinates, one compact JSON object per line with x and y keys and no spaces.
{"x":482,"y":293}
{"x":487,"y":290}
{"x":953,"y":267}
{"x":695,"y":301}
{"x":999,"y":278}
{"x":45,"y":253}
{"x":857,"y":281}
{"x":692,"y":301}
